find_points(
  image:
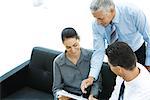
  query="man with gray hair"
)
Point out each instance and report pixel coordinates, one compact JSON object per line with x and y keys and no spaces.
{"x":117,"y":22}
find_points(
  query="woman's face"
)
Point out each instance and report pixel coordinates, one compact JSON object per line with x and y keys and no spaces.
{"x":72,"y":46}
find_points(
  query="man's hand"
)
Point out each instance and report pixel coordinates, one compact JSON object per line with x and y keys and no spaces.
{"x":85,"y":83}
{"x":92,"y":98}
{"x":63,"y":98}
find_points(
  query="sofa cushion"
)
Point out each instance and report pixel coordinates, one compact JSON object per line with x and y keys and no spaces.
{"x":27,"y":93}
{"x":41,"y":68}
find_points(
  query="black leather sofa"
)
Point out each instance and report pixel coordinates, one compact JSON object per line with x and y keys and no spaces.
{"x":33,"y":79}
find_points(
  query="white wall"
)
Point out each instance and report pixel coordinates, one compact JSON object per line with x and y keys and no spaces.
{"x":23,"y":26}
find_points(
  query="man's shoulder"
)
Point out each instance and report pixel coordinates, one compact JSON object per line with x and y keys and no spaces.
{"x":127,"y":7}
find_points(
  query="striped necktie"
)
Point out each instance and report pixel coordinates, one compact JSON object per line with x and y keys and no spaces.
{"x":121,"y":91}
{"x":113,"y":35}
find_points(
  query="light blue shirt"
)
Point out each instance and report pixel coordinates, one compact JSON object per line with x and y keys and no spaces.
{"x":132,"y":28}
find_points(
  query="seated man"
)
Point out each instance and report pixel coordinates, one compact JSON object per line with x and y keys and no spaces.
{"x":71,"y":67}
{"x":133,"y":80}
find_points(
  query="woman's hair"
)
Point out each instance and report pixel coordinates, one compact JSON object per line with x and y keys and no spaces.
{"x":69,"y":32}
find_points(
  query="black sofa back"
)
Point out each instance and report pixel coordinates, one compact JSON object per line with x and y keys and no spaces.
{"x":41,"y":68}
{"x":41,"y":72}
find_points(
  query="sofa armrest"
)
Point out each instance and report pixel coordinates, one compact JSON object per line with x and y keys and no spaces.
{"x":14,"y":79}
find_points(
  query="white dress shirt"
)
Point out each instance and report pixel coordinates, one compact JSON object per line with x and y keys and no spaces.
{"x":136,"y":89}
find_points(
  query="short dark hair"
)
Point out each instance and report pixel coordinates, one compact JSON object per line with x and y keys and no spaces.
{"x":69,"y":32}
{"x":121,"y":54}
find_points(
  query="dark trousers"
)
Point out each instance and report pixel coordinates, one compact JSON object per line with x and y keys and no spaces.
{"x":141,"y":54}
{"x":108,"y":82}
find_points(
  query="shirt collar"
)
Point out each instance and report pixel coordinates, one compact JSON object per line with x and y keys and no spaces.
{"x":138,"y":78}
{"x":83,"y":56}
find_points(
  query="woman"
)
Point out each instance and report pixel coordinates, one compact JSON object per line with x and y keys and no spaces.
{"x":72,"y":66}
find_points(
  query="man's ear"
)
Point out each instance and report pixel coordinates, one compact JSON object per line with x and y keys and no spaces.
{"x":112,"y":11}
{"x":120,"y":70}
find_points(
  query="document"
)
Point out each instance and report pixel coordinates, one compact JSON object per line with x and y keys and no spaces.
{"x":67,"y":94}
